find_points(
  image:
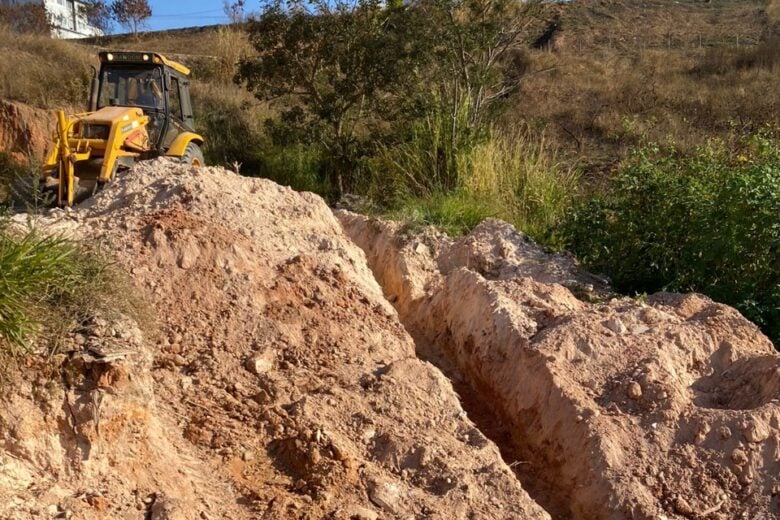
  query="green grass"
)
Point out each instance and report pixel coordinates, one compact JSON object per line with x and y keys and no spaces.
{"x":50,"y":285}
{"x":515,"y":176}
{"x":456,"y":213}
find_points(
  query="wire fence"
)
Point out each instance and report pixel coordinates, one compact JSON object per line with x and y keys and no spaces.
{"x":669,"y":41}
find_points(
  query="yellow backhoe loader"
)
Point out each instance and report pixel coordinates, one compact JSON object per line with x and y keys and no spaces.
{"x":139,"y":108}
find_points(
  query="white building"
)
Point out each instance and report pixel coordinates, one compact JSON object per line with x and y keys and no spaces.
{"x":66,"y":17}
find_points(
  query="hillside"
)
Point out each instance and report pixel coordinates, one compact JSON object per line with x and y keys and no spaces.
{"x":621,"y":74}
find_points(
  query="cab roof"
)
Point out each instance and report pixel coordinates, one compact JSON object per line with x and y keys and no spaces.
{"x":141,"y":58}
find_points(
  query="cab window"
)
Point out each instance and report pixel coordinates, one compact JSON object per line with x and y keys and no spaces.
{"x":175,"y":97}
{"x":131,"y":87}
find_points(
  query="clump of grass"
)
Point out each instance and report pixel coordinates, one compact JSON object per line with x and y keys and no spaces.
{"x":523,"y":180}
{"x":456,"y":212}
{"x":231,"y":45}
{"x":50,"y":285}
{"x":458,"y":181}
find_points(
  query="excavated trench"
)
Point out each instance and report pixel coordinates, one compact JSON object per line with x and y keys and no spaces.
{"x":413,"y":292}
{"x":605,"y":408}
{"x":476,"y":401}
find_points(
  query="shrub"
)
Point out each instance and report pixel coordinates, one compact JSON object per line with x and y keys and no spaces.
{"x":232,"y":122}
{"x":30,"y":18}
{"x":707,"y":222}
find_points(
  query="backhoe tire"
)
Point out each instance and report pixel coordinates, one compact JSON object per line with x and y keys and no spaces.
{"x":193,"y":155}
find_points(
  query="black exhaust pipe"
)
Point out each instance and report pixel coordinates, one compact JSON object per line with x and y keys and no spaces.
{"x":93,"y":91}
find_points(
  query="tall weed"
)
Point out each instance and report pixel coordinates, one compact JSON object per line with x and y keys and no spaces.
{"x":49,"y":284}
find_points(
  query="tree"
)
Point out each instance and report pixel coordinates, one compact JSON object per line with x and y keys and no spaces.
{"x":479,"y":51}
{"x":26,"y":18}
{"x":356,"y":74}
{"x":335,"y":65}
{"x":235,"y":10}
{"x":98,"y":14}
{"x":131,"y":14}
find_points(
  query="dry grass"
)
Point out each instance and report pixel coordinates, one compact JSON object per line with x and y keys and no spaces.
{"x":42,"y":71}
{"x":614,"y":82}
{"x":681,"y":24}
{"x":211,"y":52}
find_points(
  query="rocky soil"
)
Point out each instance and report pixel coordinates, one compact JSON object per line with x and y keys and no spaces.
{"x":311,"y":365}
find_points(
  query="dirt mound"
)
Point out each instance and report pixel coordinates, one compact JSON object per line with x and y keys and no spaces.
{"x":281,"y":383}
{"x":616,"y":408}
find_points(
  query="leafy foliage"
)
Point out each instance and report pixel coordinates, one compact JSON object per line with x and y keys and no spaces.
{"x":333,"y":65}
{"x":707,"y":222}
{"x":131,"y":14}
{"x":354,"y":75}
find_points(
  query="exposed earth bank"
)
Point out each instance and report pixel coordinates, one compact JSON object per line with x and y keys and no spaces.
{"x":617,"y":408}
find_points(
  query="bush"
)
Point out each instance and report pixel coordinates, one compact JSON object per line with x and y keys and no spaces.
{"x":53,"y":281}
{"x":27,"y":18}
{"x":231,"y":120}
{"x":707,"y":222}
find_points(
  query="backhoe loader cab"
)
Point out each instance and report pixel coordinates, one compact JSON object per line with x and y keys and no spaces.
{"x":139,"y":108}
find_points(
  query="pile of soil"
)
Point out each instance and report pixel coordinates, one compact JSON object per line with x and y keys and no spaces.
{"x":618,"y":407}
{"x":277,"y":383}
{"x":311,"y":365}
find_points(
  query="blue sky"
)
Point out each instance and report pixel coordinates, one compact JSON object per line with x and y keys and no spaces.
{"x":167,"y":14}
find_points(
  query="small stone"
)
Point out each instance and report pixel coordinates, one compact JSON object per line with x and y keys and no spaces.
{"x":315,"y":457}
{"x":681,"y":506}
{"x":261,"y":363}
{"x":615,"y":325}
{"x":634,"y":390}
{"x":386,"y":495}
{"x":756,"y":431}
{"x":739,"y":457}
{"x":725,"y":432}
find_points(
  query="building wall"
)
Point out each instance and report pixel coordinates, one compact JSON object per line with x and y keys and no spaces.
{"x":65,"y":16}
